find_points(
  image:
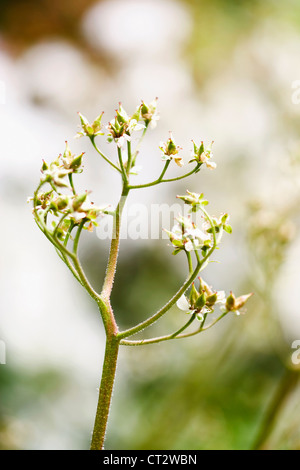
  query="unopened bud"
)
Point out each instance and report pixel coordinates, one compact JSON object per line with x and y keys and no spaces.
{"x":76,"y":162}
{"x":194,"y":294}
{"x":230,"y":302}
{"x":200,"y":301}
{"x":78,"y":201}
{"x":211,"y":299}
{"x":240,"y":301}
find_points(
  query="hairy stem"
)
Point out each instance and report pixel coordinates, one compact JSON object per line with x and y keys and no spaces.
{"x":105,"y":392}
{"x":114,"y":247}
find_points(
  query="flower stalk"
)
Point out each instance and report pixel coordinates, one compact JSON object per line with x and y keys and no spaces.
{"x":60,"y":212}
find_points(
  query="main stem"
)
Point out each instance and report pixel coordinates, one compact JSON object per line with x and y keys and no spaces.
{"x":111,"y":328}
{"x":105,"y":392}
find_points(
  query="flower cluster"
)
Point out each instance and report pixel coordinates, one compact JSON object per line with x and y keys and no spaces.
{"x":122,"y":126}
{"x":170,"y":151}
{"x":149,"y":113}
{"x":203,"y":300}
{"x":216,"y":224}
{"x":203,"y":155}
{"x":195,"y":200}
{"x":185,"y":235}
{"x":65,"y":164}
{"x":90,"y":130}
{"x":71,"y":209}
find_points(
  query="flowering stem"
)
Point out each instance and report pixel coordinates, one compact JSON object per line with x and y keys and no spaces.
{"x":175,"y":335}
{"x":104,"y":156}
{"x":190,"y":262}
{"x":189,"y":322}
{"x":124,"y":175}
{"x":183,"y":176}
{"x":114,"y":247}
{"x":129,"y":160}
{"x":161,"y":180}
{"x":70,"y":175}
{"x":105,"y":392}
{"x":180,"y":292}
{"x":139,"y":144}
{"x":163,"y":310}
{"x":77,"y":236}
{"x":112,"y":340}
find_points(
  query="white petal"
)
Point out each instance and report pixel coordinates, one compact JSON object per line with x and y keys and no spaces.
{"x":120,"y":142}
{"x":78,"y":216}
{"x":139,"y":127}
{"x":189,"y":246}
{"x":211,"y":165}
{"x":221,"y":296}
{"x":135,"y":170}
{"x":182,"y":303}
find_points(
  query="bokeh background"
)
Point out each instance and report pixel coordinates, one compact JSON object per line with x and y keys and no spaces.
{"x":223,"y":71}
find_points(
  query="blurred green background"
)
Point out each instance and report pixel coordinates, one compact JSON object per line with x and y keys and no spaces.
{"x":223,"y":71}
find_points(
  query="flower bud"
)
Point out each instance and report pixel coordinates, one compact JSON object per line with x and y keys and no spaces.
{"x":211,"y":299}
{"x":240,"y":301}
{"x":76,"y":162}
{"x":78,"y":201}
{"x":61,"y":202}
{"x":45,"y":166}
{"x":90,"y":129}
{"x":122,"y":116}
{"x":194,"y":294}
{"x":230,"y":302}
{"x":149,"y":113}
{"x":200,"y":301}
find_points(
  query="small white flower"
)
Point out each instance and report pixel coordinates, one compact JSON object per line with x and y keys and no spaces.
{"x":153,"y":122}
{"x":183,"y":303}
{"x":189,"y":245}
{"x":121,"y":140}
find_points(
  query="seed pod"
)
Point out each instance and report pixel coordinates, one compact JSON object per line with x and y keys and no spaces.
{"x":200,"y":301}
{"x":211,"y":299}
{"x":194,"y":294}
{"x":231,"y":302}
{"x":78,"y":201}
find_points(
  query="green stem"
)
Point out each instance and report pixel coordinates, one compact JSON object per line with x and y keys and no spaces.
{"x":124,"y":175}
{"x":129,"y":160}
{"x":136,"y":151}
{"x":70,"y":176}
{"x":161,"y":180}
{"x":190,"y":262}
{"x":184,"y":327}
{"x":114,"y":247}
{"x":149,"y":321}
{"x":105,"y":392}
{"x":104,"y":156}
{"x":77,"y":236}
{"x":163,"y":310}
{"x":175,"y":335}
